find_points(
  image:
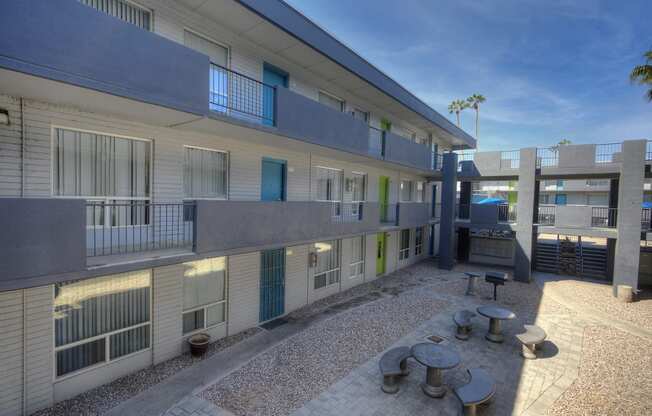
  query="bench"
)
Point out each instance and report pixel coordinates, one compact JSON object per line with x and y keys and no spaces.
{"x":480,"y":389}
{"x":463,"y":321}
{"x":531,"y":338}
{"x":393,"y":364}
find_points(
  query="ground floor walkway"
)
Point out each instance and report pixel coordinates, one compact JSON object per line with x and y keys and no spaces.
{"x":323,"y":359}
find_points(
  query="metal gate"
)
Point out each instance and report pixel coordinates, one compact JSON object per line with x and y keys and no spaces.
{"x":272,"y":284}
{"x":583,"y":260}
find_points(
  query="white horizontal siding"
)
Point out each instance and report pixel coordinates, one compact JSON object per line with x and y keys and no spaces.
{"x":296,"y":277}
{"x":244,"y":291}
{"x":11,"y":353}
{"x":167,"y":310}
{"x":39,"y":350}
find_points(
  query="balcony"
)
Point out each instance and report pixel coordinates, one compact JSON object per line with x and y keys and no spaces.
{"x":600,"y":156}
{"x":577,"y":216}
{"x":116,"y":231}
{"x":646,"y":219}
{"x":413,"y":214}
{"x":62,"y":43}
{"x":435,"y":211}
{"x":487,"y":214}
{"x":507,"y":213}
{"x":388,"y":214}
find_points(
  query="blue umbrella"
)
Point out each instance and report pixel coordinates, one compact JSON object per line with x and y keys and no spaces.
{"x":646,"y":205}
{"x":492,"y":201}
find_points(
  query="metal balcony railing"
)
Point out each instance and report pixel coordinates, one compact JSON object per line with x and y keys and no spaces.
{"x":463,"y":157}
{"x":388,"y":214}
{"x":510,"y":159}
{"x":240,"y":96}
{"x":547,"y":157}
{"x":604,"y":153}
{"x":604,"y":217}
{"x":437,"y":161}
{"x":376,"y":142}
{"x":646,"y":219}
{"x":138,"y":226}
{"x":346,"y":212}
{"x":648,"y":150}
{"x":546,"y":215}
{"x":462,"y":211}
{"x":507,"y":213}
{"x":435,"y":211}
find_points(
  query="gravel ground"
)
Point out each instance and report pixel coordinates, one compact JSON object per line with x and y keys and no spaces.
{"x":292,"y":373}
{"x":600,"y":296}
{"x":103,"y":398}
{"x":615,"y":376}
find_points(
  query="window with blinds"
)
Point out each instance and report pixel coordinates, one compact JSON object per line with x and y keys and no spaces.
{"x":327,"y":269}
{"x":356,"y":267}
{"x":331,"y":101}
{"x":123,"y":10}
{"x":328,"y":184}
{"x":404,"y":250}
{"x":101,"y":319}
{"x":205,"y":173}
{"x":204,"y":294}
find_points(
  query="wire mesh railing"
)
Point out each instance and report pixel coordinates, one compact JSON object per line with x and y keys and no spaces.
{"x":346,"y":212}
{"x":547,"y":157}
{"x":136,"y":226}
{"x":507,"y":213}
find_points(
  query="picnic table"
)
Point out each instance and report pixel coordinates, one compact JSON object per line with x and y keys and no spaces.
{"x":436,"y":358}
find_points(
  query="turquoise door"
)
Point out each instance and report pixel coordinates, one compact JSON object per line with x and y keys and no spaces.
{"x":272,"y":77}
{"x":272,"y":284}
{"x":273,"y":180}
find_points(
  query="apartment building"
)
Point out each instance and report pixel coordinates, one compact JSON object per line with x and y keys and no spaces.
{"x":174,"y":167}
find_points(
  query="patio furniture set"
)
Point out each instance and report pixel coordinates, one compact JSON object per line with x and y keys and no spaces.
{"x":437,"y":358}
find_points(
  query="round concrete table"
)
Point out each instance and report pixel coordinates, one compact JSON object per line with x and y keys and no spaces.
{"x":495,"y":315}
{"x":436,"y":358}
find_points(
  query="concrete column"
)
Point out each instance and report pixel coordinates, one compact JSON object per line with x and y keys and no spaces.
{"x":447,"y":221}
{"x":630,"y":197}
{"x":525,"y":215}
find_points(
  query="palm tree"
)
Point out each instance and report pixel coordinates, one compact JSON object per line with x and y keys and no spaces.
{"x":642,"y":74}
{"x":457,"y":106}
{"x":474,"y":102}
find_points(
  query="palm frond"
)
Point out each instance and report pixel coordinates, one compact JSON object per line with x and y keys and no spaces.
{"x":641,"y":74}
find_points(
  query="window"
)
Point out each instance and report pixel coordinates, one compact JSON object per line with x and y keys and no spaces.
{"x":357,"y":257}
{"x":421,"y":191}
{"x":327,"y":269}
{"x":410,"y":135}
{"x":328,"y":187}
{"x":204,"y":294}
{"x":99,"y":320}
{"x":406,"y":191}
{"x":113,"y":171}
{"x":123,"y":10}
{"x":218,"y":74}
{"x":360,"y":115}
{"x":205,"y":173}
{"x":418,"y":241}
{"x":404,"y":250}
{"x":331,"y":101}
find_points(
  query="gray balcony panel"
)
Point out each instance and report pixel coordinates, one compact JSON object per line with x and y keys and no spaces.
{"x":400,"y":150}
{"x":484,"y":214}
{"x":226,"y":225}
{"x":76,"y":44}
{"x":41,"y":236}
{"x":413,"y":214}
{"x":313,"y":122}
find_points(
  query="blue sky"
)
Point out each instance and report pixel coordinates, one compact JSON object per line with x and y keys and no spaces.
{"x":550,"y":69}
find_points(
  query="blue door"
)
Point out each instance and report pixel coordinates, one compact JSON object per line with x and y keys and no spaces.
{"x":272,"y":284}
{"x":272,"y":77}
{"x":273,"y":180}
{"x":560,"y":199}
